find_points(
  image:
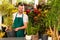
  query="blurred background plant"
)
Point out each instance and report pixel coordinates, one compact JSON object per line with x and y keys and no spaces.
{"x":52,"y":18}
{"x":6,"y":10}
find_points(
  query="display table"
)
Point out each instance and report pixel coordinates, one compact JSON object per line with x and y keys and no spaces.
{"x":12,"y":38}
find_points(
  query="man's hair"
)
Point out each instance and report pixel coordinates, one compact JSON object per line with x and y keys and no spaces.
{"x":21,"y":4}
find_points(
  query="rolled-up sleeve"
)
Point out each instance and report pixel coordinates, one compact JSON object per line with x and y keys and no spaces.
{"x":25,"y":18}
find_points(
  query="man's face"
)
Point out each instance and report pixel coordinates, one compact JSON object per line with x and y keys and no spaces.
{"x":20,"y":9}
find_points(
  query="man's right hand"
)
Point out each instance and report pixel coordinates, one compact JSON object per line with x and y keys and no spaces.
{"x":6,"y":29}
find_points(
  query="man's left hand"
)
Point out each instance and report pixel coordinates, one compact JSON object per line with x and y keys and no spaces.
{"x":16,"y":29}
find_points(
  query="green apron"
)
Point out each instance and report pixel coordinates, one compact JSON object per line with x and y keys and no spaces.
{"x":18,"y":22}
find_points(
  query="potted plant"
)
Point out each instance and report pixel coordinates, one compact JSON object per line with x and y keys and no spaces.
{"x":42,"y":20}
{"x":6,"y":10}
{"x":48,"y":21}
{"x":32,"y":32}
{"x":33,"y":23}
{"x":35,"y":30}
{"x":52,"y":18}
{"x":29,"y":31}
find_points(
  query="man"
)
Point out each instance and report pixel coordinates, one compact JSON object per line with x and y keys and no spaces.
{"x":20,"y":21}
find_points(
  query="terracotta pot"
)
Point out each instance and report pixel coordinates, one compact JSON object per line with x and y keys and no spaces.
{"x":35,"y":37}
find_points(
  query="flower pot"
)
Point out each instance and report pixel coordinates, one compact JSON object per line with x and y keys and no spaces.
{"x":35,"y":37}
{"x":49,"y":38}
{"x":10,"y":33}
{"x":45,"y":37}
{"x":28,"y":37}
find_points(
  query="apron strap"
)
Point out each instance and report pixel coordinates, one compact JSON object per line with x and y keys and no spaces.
{"x":16,"y":16}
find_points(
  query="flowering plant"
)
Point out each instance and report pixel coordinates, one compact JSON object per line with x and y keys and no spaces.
{"x":33,"y":20}
{"x":37,"y":17}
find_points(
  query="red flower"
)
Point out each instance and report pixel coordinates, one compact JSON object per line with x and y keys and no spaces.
{"x":36,"y":11}
{"x":27,"y":11}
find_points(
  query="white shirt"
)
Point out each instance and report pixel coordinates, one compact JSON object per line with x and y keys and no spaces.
{"x":25,"y":17}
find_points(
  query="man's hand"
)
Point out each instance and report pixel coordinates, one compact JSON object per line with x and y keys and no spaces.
{"x":16,"y":29}
{"x":23,"y":27}
{"x":6,"y":29}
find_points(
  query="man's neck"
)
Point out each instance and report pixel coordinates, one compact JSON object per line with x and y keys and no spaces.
{"x":19,"y":13}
